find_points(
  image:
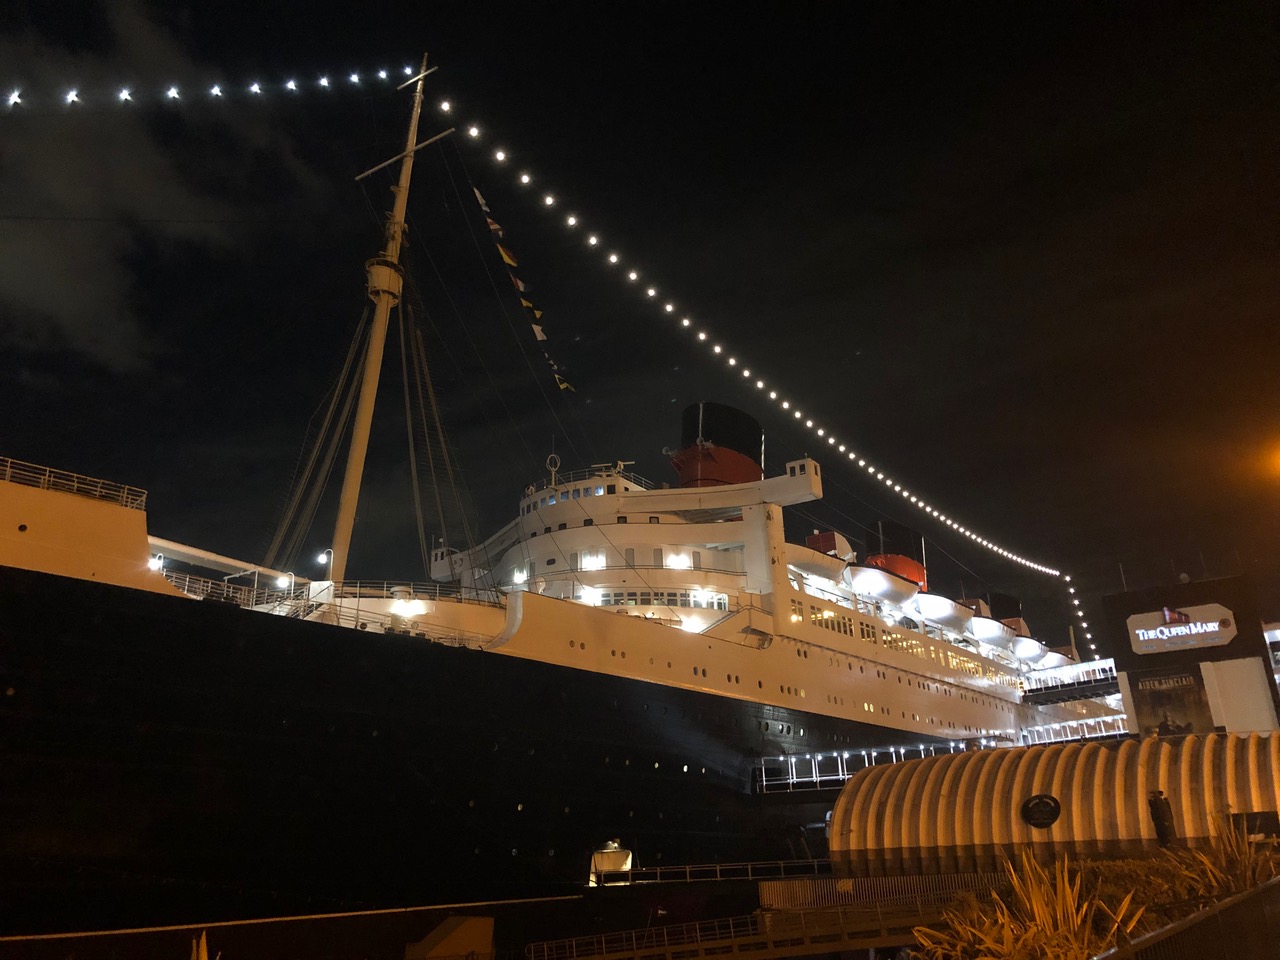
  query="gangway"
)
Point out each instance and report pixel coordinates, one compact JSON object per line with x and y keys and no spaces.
{"x":1074,"y":681}
{"x":764,"y":935}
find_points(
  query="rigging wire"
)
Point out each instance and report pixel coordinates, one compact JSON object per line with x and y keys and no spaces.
{"x":506,"y":315}
{"x":317,"y":463}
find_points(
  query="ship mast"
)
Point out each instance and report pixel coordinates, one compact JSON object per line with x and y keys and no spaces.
{"x":384,"y":286}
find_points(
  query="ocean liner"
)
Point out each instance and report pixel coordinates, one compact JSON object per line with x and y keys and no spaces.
{"x":622,"y":661}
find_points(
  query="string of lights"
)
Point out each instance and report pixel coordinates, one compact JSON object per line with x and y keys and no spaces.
{"x":721,"y":351}
{"x":18,"y":97}
{"x":700,"y":334}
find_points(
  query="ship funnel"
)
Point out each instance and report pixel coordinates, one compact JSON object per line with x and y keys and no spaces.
{"x":897,"y":548}
{"x":718,"y":445}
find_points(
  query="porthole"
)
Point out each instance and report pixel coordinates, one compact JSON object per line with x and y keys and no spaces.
{"x":22,"y":528}
{"x":519,"y":807}
{"x":573,"y":643}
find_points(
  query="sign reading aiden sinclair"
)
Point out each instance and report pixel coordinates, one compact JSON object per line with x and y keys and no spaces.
{"x":1207,"y":625}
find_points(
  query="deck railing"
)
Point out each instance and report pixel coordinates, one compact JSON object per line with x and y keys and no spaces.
{"x":46,"y":478}
{"x":589,"y":473}
{"x":317,"y":601}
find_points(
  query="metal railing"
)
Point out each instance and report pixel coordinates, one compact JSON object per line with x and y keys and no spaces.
{"x":303,"y":601}
{"x":1244,"y":927}
{"x":763,"y":934}
{"x":1090,"y":728}
{"x":763,"y":870}
{"x":589,"y":473}
{"x":1075,"y":674}
{"x":45,"y":478}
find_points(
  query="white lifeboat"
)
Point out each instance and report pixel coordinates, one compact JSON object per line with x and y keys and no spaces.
{"x":879,"y":583}
{"x":814,"y":564}
{"x":1053,"y":659}
{"x":943,"y":611}
{"x":1029,"y":650}
{"x":988,"y":630}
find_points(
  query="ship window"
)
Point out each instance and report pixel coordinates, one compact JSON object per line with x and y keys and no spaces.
{"x":791,"y":470}
{"x":697,"y":559}
{"x":653,"y":519}
{"x":622,"y":519}
{"x":657,"y":556}
{"x":564,"y":495}
{"x":573,"y":561}
{"x":551,"y":500}
{"x":629,"y":556}
{"x":611,"y":488}
{"x":600,"y":491}
{"x":588,"y":522}
{"x":576,"y":493}
{"x":546,"y":529}
{"x":542,"y":502}
{"x":802,"y":468}
{"x":551,"y":561}
{"x":562,"y":526}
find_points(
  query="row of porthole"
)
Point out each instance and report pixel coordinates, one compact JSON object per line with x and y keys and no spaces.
{"x":782,"y":688}
{"x":783,"y":728}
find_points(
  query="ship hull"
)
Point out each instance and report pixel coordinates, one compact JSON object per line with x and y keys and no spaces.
{"x":167,"y":760}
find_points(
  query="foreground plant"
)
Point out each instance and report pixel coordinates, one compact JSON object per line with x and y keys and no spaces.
{"x":1232,"y":862}
{"x":1048,"y":916}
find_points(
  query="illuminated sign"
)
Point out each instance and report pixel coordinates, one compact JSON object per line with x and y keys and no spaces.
{"x":1206,"y":625}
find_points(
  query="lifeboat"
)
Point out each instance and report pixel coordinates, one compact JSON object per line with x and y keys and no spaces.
{"x":992,"y":631}
{"x":814,"y":564}
{"x":875,"y":581}
{"x":1052,"y":659}
{"x":943,"y":611}
{"x":1028,"y":649}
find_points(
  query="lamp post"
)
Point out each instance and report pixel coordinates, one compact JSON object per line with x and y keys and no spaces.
{"x":285,"y":581}
{"x":326,"y":557}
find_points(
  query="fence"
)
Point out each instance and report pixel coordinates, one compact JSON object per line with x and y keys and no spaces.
{"x":1244,"y":927}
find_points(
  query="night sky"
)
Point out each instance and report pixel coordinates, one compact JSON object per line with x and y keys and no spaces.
{"x":1021,"y":256}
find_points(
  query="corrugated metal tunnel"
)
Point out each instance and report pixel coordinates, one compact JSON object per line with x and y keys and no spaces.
{"x":960,"y":812}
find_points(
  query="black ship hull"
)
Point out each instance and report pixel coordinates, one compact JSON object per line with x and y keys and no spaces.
{"x":166,"y":760}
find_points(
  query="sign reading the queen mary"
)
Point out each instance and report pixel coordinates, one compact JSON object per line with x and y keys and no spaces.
{"x":1206,"y":625}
